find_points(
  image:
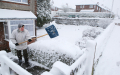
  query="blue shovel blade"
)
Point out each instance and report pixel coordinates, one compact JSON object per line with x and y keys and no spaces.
{"x":52,"y":31}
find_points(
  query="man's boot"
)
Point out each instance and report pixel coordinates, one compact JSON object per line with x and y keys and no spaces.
{"x":27,"y":63}
{"x":20,"y":62}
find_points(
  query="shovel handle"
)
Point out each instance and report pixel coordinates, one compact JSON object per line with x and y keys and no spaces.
{"x":33,"y":38}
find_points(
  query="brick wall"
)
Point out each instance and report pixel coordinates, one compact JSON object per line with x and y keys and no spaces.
{"x":31,"y":6}
{"x":4,"y":45}
{"x":78,"y":9}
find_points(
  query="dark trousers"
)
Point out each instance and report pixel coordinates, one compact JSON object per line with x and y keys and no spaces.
{"x":25,"y":54}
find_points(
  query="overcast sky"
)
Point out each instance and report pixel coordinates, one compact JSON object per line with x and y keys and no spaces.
{"x":72,"y":3}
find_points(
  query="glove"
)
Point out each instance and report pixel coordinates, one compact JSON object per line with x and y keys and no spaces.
{"x":16,"y":44}
{"x":29,"y":40}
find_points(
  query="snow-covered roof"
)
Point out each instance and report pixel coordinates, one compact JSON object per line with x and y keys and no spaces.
{"x":16,"y":14}
{"x":92,"y":10}
{"x":87,"y":2}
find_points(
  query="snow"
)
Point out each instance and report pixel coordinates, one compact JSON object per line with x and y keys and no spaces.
{"x":109,"y":61}
{"x":87,"y":10}
{"x":17,"y":14}
{"x":87,"y":2}
{"x":58,"y":69}
{"x":102,"y":39}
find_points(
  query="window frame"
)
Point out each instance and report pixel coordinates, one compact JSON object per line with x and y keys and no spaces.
{"x":17,"y":2}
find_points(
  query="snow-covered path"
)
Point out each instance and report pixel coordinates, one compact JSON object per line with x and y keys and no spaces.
{"x":107,"y":64}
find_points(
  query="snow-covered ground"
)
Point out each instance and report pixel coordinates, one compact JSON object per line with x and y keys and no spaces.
{"x":109,"y":63}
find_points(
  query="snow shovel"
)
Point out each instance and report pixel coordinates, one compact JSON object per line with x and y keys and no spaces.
{"x":51,"y":30}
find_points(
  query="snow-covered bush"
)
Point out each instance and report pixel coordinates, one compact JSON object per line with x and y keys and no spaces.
{"x":48,"y":59}
{"x":92,"y":33}
{"x":104,"y":23}
{"x":89,"y":34}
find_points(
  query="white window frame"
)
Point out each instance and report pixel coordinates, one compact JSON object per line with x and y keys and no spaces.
{"x":90,"y":6}
{"x":16,"y":1}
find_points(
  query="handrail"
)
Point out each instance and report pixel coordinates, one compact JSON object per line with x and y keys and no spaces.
{"x":6,"y":63}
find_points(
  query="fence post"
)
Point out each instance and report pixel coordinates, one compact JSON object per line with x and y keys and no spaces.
{"x":4,"y":68}
{"x":90,"y":56}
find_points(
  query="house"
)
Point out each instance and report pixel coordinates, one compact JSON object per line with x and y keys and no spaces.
{"x":90,"y":6}
{"x":13,"y":12}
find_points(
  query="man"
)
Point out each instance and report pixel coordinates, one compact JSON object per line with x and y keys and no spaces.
{"x":20,"y":35}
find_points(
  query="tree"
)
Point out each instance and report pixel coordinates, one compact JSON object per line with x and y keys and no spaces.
{"x":65,"y":8}
{"x":43,"y":12}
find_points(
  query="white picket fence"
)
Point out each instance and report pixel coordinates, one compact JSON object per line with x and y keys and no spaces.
{"x":7,"y":64}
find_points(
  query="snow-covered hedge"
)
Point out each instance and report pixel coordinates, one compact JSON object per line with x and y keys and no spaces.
{"x":95,"y":22}
{"x":89,"y":34}
{"x":47,"y":52}
{"x":86,"y":14}
{"x":93,"y":32}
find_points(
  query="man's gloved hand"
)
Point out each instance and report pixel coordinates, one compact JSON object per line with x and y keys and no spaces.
{"x":16,"y":44}
{"x":29,"y":40}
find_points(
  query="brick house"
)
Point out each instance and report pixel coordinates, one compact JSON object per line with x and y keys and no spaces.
{"x":13,"y":12}
{"x":90,"y":6}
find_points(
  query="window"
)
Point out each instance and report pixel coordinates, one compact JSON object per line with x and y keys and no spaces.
{"x":6,"y":30}
{"x":91,"y":6}
{"x":97,"y":8}
{"x":94,"y":6}
{"x":18,"y":1}
{"x":81,"y":6}
{"x":29,"y":25}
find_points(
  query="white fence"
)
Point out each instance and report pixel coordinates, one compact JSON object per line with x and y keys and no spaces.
{"x":7,"y":64}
